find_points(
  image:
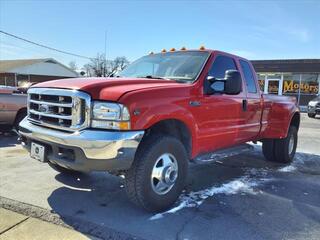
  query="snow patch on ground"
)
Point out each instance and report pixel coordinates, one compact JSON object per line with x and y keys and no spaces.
{"x":252,"y":179}
{"x":289,"y":168}
{"x":300,"y":161}
{"x":245,"y":184}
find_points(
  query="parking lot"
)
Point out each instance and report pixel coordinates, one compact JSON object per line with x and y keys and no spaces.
{"x":242,"y":197}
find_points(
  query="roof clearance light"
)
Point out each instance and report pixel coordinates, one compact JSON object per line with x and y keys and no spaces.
{"x":172,"y":49}
{"x":202,"y":48}
{"x":164,"y":50}
{"x":151,"y":53}
{"x":183,"y":49}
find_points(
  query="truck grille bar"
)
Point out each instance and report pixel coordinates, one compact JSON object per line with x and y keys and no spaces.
{"x":62,"y":109}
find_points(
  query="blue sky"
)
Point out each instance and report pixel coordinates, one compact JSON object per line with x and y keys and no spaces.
{"x":252,"y":29}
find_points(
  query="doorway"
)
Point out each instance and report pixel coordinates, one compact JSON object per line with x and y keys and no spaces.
{"x":273,"y":86}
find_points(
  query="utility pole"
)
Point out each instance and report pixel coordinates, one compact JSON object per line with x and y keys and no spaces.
{"x":105,"y":53}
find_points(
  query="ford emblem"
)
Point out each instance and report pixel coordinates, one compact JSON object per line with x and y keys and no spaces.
{"x":44,"y":108}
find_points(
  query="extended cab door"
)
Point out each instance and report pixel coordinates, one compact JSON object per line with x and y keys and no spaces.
{"x":252,"y":105}
{"x":220,"y":117}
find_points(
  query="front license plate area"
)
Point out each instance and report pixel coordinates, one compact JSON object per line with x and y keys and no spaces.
{"x":38,"y":152}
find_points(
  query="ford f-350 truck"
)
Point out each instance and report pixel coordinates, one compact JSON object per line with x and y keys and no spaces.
{"x":161,"y":112}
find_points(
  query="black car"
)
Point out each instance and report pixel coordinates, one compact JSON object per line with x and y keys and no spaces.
{"x":314,"y":107}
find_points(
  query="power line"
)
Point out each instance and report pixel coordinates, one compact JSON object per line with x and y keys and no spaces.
{"x":44,"y":46}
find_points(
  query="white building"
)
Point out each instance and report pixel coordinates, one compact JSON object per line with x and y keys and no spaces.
{"x":15,"y":72}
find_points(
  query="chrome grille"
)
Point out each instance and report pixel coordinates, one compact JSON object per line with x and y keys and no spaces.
{"x":59,"y":108}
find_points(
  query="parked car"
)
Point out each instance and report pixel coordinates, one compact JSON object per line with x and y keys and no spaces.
{"x":13,"y":106}
{"x":314,"y":107}
{"x":163,"y":111}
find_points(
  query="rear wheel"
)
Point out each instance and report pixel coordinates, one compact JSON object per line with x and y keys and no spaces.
{"x":311,"y":115}
{"x":281,"y":150}
{"x":158,"y":173}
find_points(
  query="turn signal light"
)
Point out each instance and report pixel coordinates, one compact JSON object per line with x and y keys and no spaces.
{"x":124,"y":125}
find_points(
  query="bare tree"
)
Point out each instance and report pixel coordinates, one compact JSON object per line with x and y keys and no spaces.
{"x":73,"y":65}
{"x":87,"y":69}
{"x":118,"y":64}
{"x":99,"y":67}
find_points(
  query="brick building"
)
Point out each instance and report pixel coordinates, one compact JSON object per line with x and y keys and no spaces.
{"x":290,"y":77}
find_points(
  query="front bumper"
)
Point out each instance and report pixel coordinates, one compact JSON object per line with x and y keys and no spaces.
{"x":314,"y":109}
{"x":85,"y":150}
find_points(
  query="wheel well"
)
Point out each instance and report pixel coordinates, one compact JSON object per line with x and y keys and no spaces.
{"x":295,"y":121}
{"x":175,"y":128}
{"x":20,"y":111}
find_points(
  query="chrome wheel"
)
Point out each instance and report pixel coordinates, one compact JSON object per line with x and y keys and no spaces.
{"x":291,"y":144}
{"x":164,"y":174}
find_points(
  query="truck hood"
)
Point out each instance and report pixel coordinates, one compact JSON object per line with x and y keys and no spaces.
{"x":106,"y":88}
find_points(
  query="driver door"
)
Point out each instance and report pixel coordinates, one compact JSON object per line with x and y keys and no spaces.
{"x":220,"y":116}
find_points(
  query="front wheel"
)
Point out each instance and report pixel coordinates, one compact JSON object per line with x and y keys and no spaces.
{"x":311,"y":115}
{"x":158,"y":173}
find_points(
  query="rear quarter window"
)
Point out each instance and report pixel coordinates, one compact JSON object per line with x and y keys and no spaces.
{"x":249,"y":76}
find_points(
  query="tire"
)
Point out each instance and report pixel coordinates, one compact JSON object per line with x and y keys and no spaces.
{"x":311,"y":115}
{"x":142,"y":187}
{"x":281,"y":150}
{"x":63,"y":170}
{"x":20,"y":116}
{"x":268,"y":149}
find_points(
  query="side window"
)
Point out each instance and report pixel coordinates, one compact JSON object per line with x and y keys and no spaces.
{"x":249,"y":77}
{"x":220,"y":65}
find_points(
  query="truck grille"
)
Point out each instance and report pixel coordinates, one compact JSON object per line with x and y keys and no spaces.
{"x":62,"y":109}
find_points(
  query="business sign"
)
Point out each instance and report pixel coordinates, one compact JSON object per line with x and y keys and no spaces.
{"x":289,"y":86}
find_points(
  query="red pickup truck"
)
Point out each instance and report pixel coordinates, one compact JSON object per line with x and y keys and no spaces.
{"x":163,"y":111}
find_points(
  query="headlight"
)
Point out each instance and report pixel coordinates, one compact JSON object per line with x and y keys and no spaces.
{"x":312,"y":103}
{"x":110,"y":116}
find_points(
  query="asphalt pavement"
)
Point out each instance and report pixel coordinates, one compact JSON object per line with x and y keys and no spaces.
{"x":242,"y":197}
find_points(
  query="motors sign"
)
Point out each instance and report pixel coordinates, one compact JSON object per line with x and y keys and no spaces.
{"x":289,"y":86}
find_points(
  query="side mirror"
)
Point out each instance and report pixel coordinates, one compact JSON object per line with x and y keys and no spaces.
{"x":230,"y":84}
{"x":233,"y":82}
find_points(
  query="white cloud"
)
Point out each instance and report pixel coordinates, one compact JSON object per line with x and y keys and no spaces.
{"x":244,"y":53}
{"x":302,"y":35}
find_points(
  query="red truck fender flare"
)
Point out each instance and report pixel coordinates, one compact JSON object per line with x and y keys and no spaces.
{"x":162,"y":113}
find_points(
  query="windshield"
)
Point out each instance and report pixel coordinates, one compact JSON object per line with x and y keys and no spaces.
{"x":183,"y":66}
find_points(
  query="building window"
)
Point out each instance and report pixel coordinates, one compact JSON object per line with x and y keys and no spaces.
{"x":309,"y":84}
{"x":261,"y":80}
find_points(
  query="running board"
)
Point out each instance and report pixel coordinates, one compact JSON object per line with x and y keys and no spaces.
{"x":224,"y":153}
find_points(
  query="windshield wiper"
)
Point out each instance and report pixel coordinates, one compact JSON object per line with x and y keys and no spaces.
{"x":154,"y":77}
{"x":180,"y":80}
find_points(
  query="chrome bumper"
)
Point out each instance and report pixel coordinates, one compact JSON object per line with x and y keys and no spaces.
{"x":101,"y":148}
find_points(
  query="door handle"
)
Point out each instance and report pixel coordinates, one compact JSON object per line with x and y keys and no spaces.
{"x":244,"y":105}
{"x":194,"y":103}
